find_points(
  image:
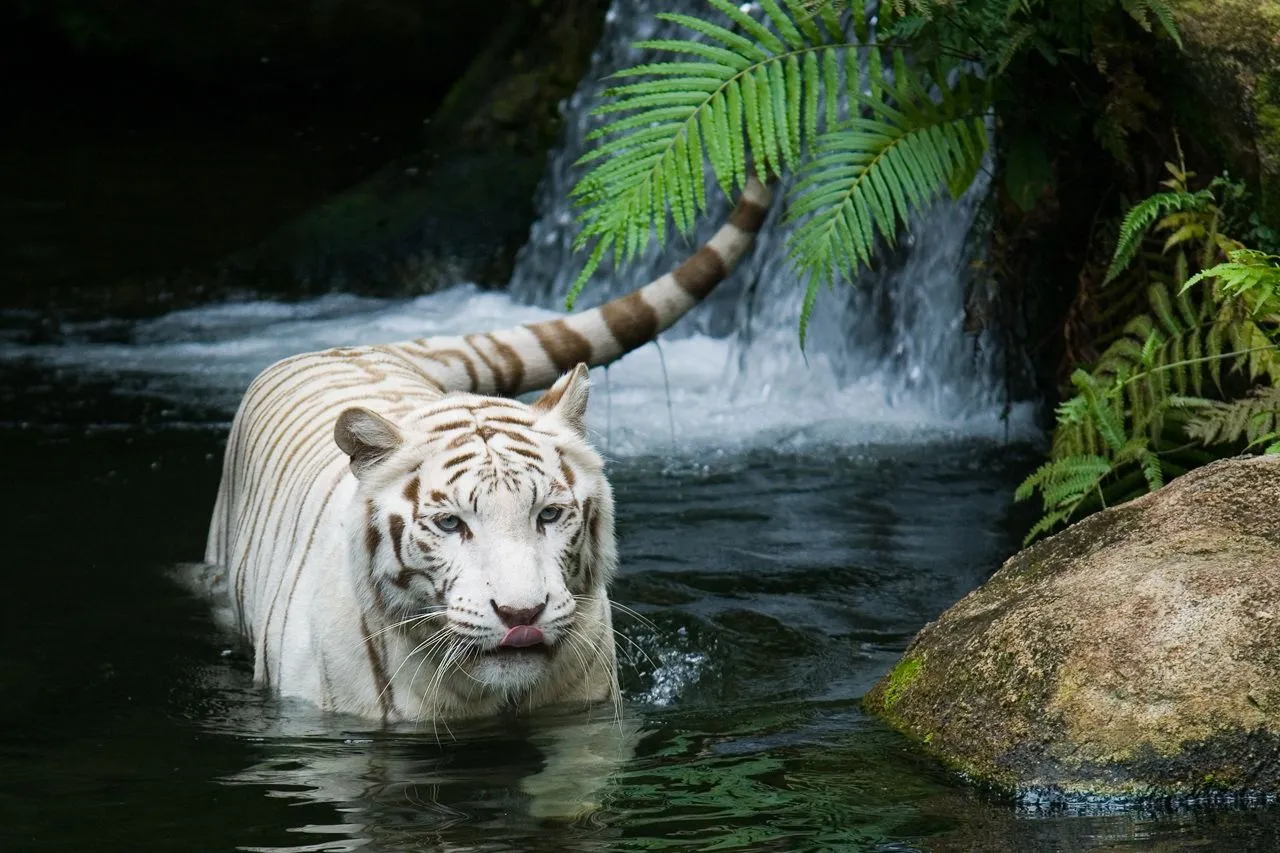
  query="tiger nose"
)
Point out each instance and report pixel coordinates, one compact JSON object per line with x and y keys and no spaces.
{"x":512,"y":616}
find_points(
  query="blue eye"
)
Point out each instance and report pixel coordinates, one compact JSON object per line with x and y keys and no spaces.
{"x":448,"y":523}
{"x":550,"y":514}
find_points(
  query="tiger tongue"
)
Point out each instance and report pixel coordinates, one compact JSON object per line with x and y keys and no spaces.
{"x":522,"y":636}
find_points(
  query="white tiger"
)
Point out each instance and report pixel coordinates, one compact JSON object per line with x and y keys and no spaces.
{"x":449,"y":555}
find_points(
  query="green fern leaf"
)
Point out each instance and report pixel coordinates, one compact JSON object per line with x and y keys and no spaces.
{"x":718,"y":55}
{"x":806,"y":310}
{"x":793,"y":103}
{"x":1142,"y":216}
{"x":739,"y":45}
{"x":750,"y":25}
{"x":803,"y":19}
{"x":868,"y":173}
{"x":812,"y":92}
{"x":783,"y":23}
{"x":831,"y":85}
{"x":735,"y":119}
{"x":781,"y":112}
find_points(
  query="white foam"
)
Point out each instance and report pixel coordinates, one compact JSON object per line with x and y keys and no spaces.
{"x":716,"y":401}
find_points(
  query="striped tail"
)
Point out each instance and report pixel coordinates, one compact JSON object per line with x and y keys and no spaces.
{"x":528,"y":358}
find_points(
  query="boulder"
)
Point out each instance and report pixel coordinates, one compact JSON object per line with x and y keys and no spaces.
{"x":1233,"y":60}
{"x":1134,"y":654}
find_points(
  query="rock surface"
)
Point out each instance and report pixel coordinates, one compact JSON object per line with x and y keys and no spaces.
{"x":1136,"y":653}
{"x":1233,"y":55}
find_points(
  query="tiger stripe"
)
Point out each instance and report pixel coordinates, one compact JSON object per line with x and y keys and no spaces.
{"x":321,"y":548}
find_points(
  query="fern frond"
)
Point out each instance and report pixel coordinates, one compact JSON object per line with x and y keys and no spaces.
{"x":1138,"y":221}
{"x":1249,"y":275}
{"x":869,"y":173}
{"x":1253,"y":417}
{"x":1139,"y":10}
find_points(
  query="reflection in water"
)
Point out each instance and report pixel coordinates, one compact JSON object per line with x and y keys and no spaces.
{"x":778,"y":562}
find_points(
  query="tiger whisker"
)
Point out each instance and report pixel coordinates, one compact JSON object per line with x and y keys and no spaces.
{"x":412,"y":620}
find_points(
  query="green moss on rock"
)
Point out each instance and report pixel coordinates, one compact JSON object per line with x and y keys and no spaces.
{"x":1133,"y":654}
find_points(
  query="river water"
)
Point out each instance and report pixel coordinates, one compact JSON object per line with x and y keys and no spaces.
{"x":781,"y":549}
{"x":787,"y":521}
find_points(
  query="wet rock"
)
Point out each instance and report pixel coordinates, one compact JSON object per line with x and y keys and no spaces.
{"x":1136,"y":653}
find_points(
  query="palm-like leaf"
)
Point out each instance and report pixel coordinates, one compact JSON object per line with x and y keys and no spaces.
{"x":767,"y":93}
{"x":869,"y":172}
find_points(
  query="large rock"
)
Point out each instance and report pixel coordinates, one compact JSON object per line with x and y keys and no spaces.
{"x":1135,"y":653}
{"x":1233,"y":55}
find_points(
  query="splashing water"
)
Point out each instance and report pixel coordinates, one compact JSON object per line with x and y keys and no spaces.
{"x":886,"y":360}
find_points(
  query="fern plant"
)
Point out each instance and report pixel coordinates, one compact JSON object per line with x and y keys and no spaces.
{"x":744,"y":94}
{"x":1164,"y":396}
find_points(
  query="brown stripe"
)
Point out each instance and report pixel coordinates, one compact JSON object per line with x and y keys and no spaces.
{"x":526,"y":453}
{"x":439,"y":497}
{"x":459,"y":459}
{"x":379,"y":671}
{"x":493,"y":403}
{"x":451,"y":425}
{"x":631,"y":320}
{"x":457,"y":475}
{"x":567,"y":471}
{"x":490,"y":432}
{"x":459,"y":440}
{"x":411,"y":492}
{"x":515,"y":366}
{"x":396,"y":524}
{"x":565,"y":346}
{"x":701,"y":273}
{"x":499,"y":378}
{"x":504,"y":419}
{"x":748,"y":215}
{"x":443,"y":357}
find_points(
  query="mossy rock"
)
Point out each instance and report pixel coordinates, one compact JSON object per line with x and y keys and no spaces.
{"x":1233,"y":54}
{"x":1135,"y":654}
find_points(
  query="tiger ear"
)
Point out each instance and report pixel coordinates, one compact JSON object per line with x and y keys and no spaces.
{"x":366,"y":437}
{"x":567,"y":399}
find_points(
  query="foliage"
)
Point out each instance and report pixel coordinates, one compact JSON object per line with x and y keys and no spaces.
{"x":744,"y":94}
{"x":1200,"y":368}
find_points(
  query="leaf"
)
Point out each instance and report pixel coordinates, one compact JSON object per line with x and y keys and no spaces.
{"x":867,"y":173}
{"x":1139,"y":220}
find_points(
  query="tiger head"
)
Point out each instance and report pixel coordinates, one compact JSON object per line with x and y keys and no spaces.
{"x":488,"y":533}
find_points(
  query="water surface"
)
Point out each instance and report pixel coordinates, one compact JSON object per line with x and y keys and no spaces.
{"x":780,"y":560}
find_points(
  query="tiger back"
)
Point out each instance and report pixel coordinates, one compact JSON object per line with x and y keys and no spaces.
{"x":403,"y":541}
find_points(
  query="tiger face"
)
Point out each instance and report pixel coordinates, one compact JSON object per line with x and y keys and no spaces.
{"x":488,"y":533}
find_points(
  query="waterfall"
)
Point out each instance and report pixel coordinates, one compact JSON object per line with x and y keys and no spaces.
{"x":887,"y":360}
{"x":896,"y":337}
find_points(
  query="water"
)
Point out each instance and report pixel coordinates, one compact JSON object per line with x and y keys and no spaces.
{"x":898,"y":338}
{"x":785,"y":528}
{"x":780,"y":568}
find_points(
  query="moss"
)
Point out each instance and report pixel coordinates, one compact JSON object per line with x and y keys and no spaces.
{"x":907,"y":670}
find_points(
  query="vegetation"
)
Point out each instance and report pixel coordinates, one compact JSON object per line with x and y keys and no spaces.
{"x":1193,"y":377}
{"x":765,"y":94}
{"x":1179,"y":364}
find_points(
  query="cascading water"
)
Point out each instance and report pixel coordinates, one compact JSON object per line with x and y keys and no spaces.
{"x":886,"y":360}
{"x":895,"y":341}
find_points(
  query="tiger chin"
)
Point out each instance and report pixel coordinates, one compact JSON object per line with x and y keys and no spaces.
{"x":481,"y":552}
{"x":400,"y":539}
